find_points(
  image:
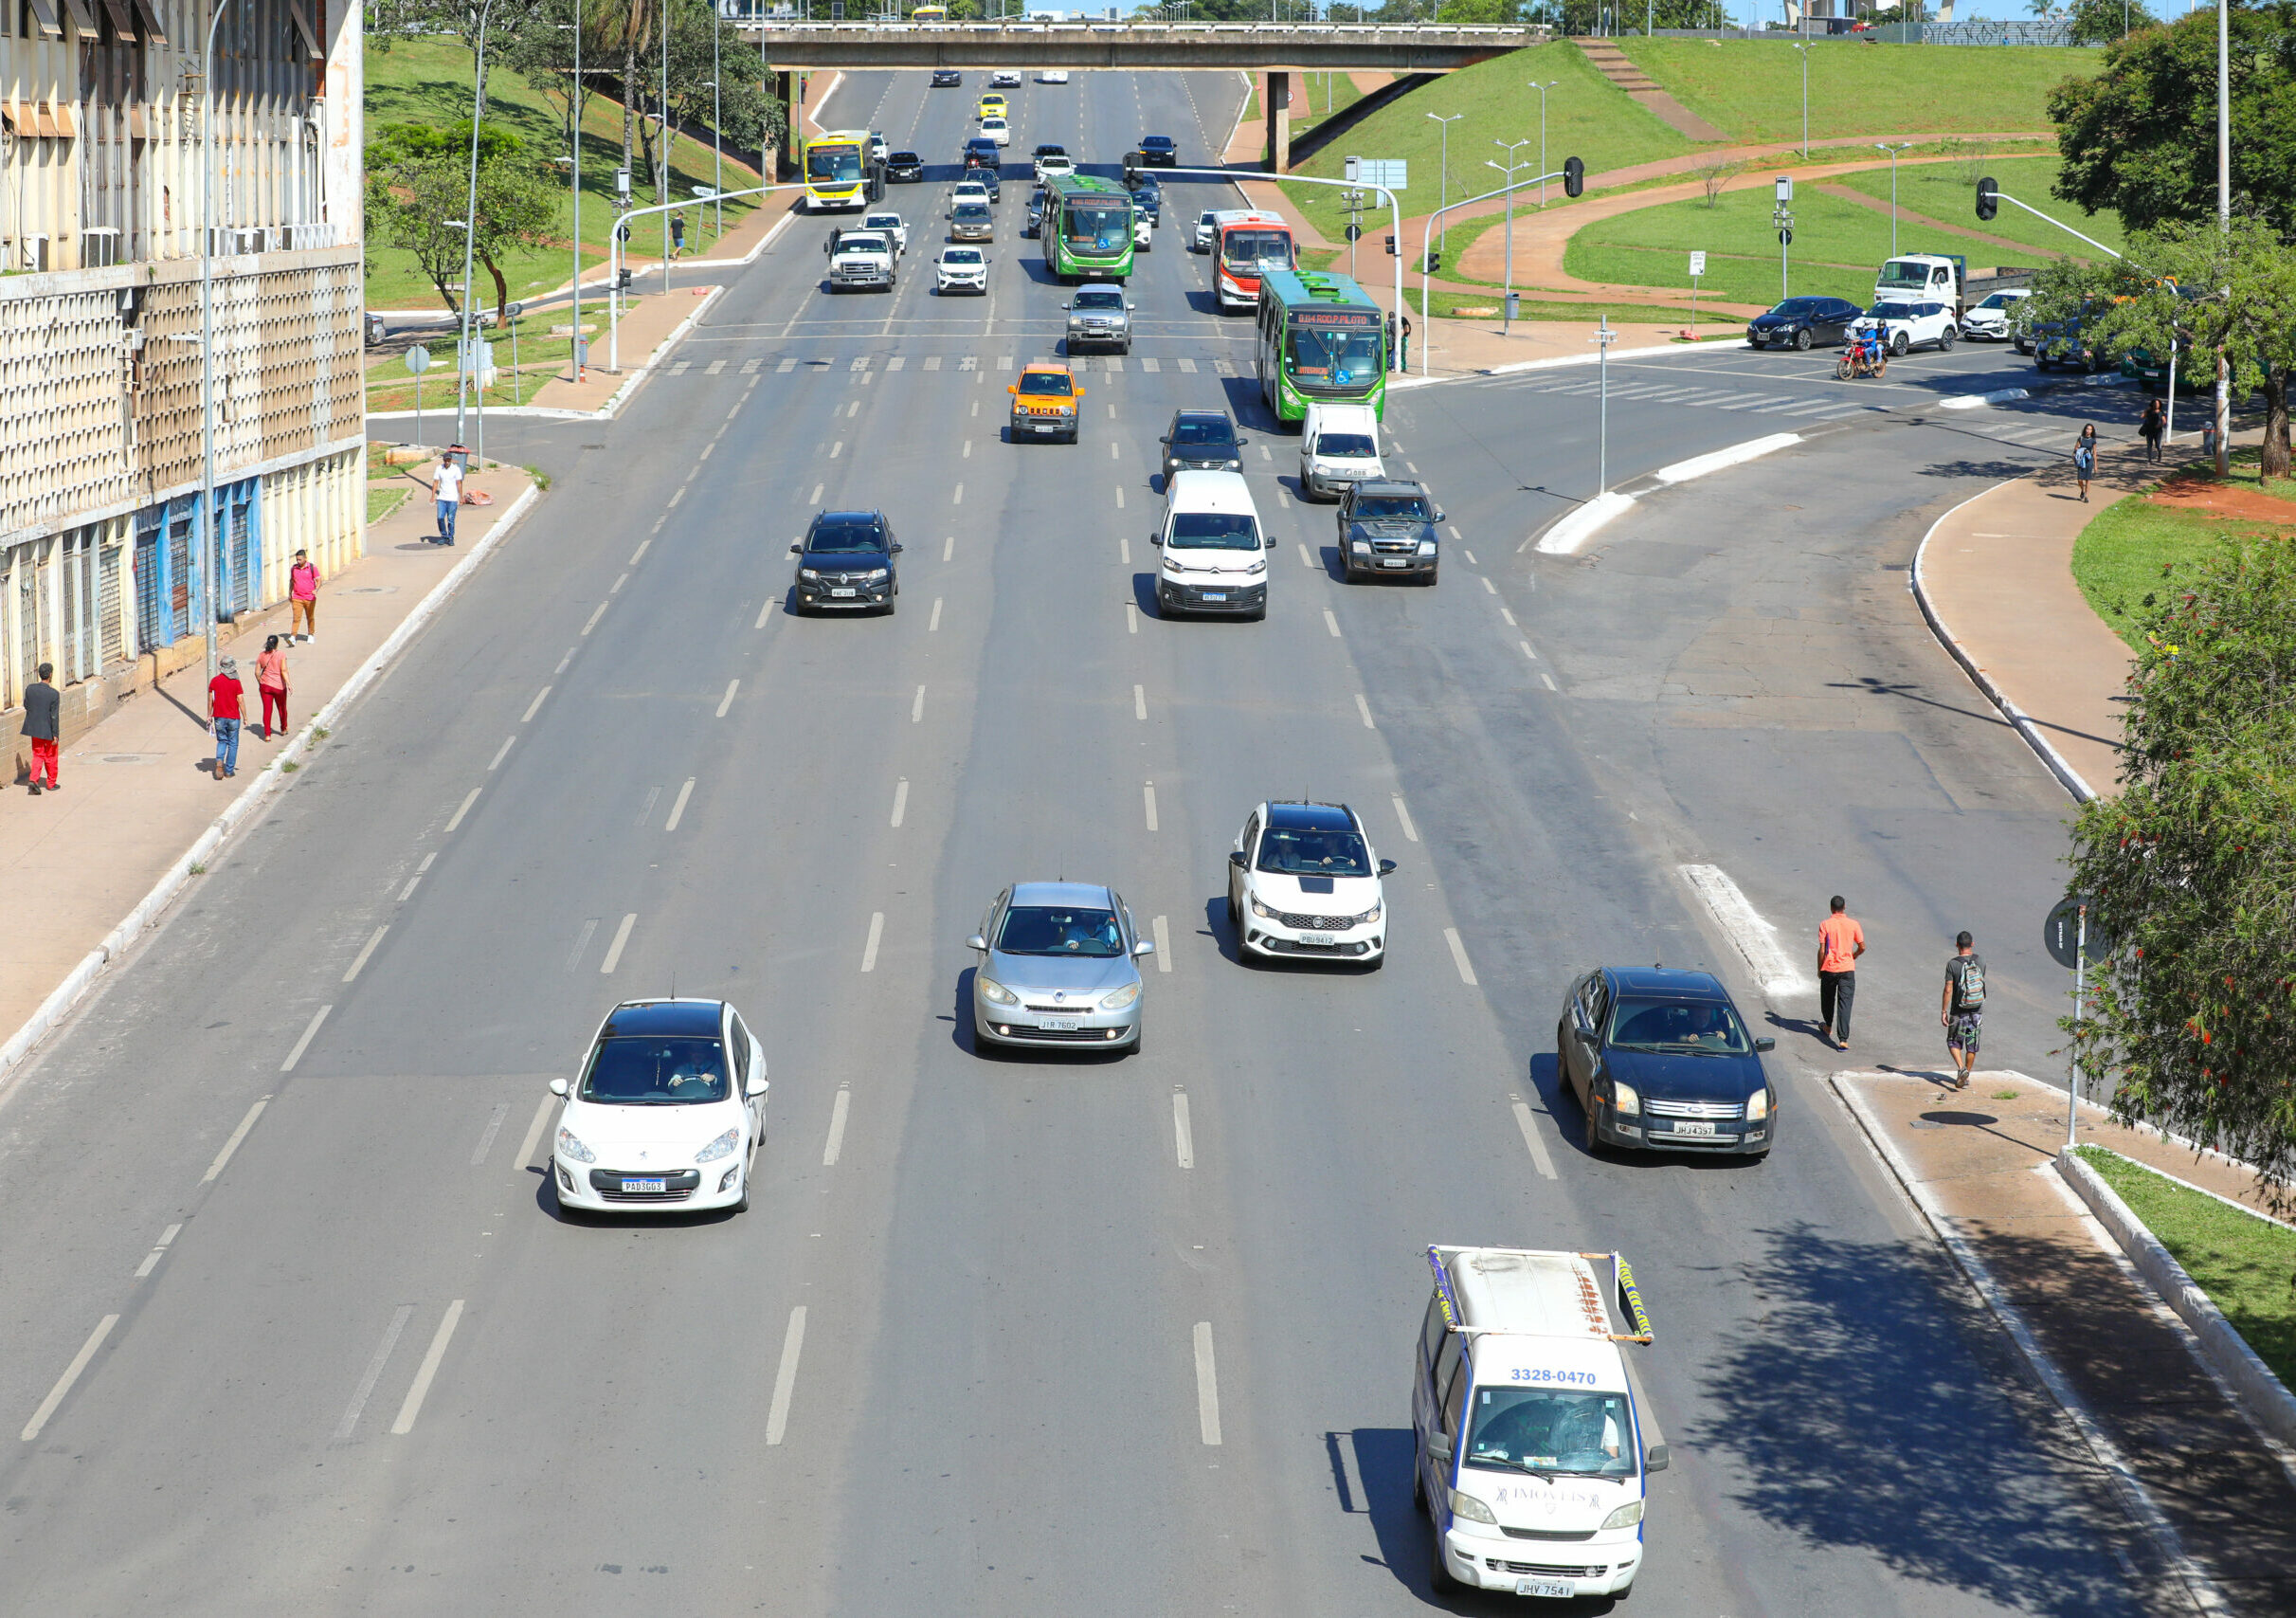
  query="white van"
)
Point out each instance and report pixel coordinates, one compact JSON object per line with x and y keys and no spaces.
{"x":1338,"y":445}
{"x":1531,"y":1455}
{"x":1215,"y":552}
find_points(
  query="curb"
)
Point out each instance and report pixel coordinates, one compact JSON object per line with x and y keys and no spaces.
{"x":2139,"y":1503}
{"x":2261,"y":1395}
{"x":1736,"y":454}
{"x":1573,"y":529}
{"x":1971,"y":401}
{"x":268,"y":783}
{"x":2069,"y":777}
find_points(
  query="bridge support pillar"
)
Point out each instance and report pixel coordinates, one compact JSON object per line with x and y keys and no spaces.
{"x":1275,"y":103}
{"x":789,"y":89}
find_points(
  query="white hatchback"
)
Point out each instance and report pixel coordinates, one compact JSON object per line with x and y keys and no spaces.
{"x":1995,"y":318}
{"x":1303,"y":883}
{"x":1906,"y":326}
{"x":996,"y":130}
{"x":667,"y":1112}
{"x":892,"y":225}
{"x":1053,"y":75}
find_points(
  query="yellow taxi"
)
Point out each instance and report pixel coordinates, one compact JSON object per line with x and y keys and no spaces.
{"x":992,"y":106}
{"x":1047,"y":402}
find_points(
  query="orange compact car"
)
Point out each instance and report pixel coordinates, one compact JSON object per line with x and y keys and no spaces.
{"x":1046,"y":402}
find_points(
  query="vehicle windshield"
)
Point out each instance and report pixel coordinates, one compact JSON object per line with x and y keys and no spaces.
{"x":1346,"y":446}
{"x":883,"y":221}
{"x":1264,"y":249}
{"x":907,"y":159}
{"x":1102,"y":226}
{"x":1214,"y":531}
{"x":826,"y":163}
{"x":1903,"y":272}
{"x":961,"y":255}
{"x":1797,"y":306}
{"x":1333,"y":356}
{"x":1095,"y":297}
{"x":1551,"y":1432}
{"x":1300,"y":853}
{"x":848,"y":538}
{"x":1051,"y":151}
{"x":1046,"y":382}
{"x":972,"y":210}
{"x":1707,"y":1027}
{"x":1998,"y":301}
{"x":1392,"y":508}
{"x":646,"y":1072}
{"x":1203,"y":432}
{"x":1055,"y":930}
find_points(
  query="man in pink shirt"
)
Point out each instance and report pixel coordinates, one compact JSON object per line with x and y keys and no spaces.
{"x":303,"y":592}
{"x":1841,"y":941}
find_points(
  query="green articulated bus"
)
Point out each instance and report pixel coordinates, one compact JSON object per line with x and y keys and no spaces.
{"x":1087,"y":229}
{"x":1320,"y":338}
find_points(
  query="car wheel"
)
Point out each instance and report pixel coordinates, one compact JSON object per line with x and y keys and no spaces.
{"x":1439,"y":1571}
{"x":1429,"y":581}
{"x":1801,"y":340}
{"x":1946,"y":339}
{"x":2040,"y":362}
{"x":1419,"y":1487}
{"x":1898,"y":345}
{"x":742,"y":1206}
{"x":1752,"y":343}
{"x":1235,"y":912}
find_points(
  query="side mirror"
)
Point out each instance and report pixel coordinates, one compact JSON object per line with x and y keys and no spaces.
{"x":1165,"y":439}
{"x":758,"y":1086}
{"x":1080,"y":392}
{"x":976,"y":942}
{"x":1766,"y":1043}
{"x":1439,"y":1446}
{"x":1386,"y":867}
{"x":1655,"y":1459}
{"x":1156,"y":539}
{"x":1242,"y":441}
{"x":1013,"y":388}
{"x":797,"y":547}
{"x":557,"y":1086}
{"x":1438,"y":516}
{"x":1145,"y":947}
{"x":896,"y":547}
{"x":1236,"y":858}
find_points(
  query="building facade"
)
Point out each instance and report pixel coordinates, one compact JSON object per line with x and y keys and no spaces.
{"x":103,"y":116}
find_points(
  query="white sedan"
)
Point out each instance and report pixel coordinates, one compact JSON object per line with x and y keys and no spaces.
{"x":667,"y":1112}
{"x":998,"y":130}
{"x":961,"y":269}
{"x":892,"y":225}
{"x":1907,"y":325}
{"x":1053,"y":75}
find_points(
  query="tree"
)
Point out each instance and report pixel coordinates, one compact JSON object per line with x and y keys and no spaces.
{"x":1714,"y":174}
{"x":2105,"y":21}
{"x":2192,"y":868}
{"x":2139,"y":138}
{"x":418,"y":177}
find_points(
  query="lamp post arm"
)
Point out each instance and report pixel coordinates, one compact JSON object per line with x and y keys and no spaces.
{"x":1427,"y":234}
{"x":613,"y":261}
{"x":2062,"y":225}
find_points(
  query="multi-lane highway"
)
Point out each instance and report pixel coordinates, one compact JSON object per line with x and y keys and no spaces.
{"x":293,"y":1322}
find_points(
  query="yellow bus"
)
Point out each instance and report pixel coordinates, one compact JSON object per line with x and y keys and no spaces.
{"x":930,"y":14}
{"x":835,"y":170}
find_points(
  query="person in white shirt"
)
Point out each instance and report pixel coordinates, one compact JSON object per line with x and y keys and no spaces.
{"x":447,"y":490}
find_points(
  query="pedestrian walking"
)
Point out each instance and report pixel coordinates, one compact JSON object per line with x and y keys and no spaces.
{"x":304,"y":598}
{"x":1841,"y":941}
{"x":678,"y":234}
{"x":271,"y":679}
{"x":1963,"y":1007}
{"x":446,"y":491}
{"x":43,"y":724}
{"x":2151,"y":428}
{"x":225,"y":695}
{"x":2084,"y":458}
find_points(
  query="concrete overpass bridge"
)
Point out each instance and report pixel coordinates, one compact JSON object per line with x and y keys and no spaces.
{"x":793,"y":47}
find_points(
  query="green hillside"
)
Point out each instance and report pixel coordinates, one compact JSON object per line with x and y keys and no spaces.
{"x":1945,"y":192}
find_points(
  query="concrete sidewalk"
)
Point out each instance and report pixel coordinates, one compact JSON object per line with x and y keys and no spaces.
{"x":1980,"y":1165}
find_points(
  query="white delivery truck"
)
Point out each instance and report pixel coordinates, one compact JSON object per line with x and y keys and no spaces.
{"x":1917,"y":278}
{"x":1338,"y":445}
{"x":1534,"y":1444}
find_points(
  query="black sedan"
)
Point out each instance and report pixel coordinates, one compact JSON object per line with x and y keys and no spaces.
{"x":845,"y":561}
{"x":946,"y":79}
{"x":1159,"y":151}
{"x":1660,"y":1057}
{"x":1148,"y":196}
{"x":1202,"y":441}
{"x":904,"y":168}
{"x":1801,"y":322}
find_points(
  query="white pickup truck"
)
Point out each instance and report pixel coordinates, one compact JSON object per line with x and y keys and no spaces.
{"x":860,"y":259}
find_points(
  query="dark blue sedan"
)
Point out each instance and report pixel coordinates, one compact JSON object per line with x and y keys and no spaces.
{"x":1662,"y":1058}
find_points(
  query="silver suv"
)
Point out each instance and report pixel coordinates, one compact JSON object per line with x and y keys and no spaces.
{"x":1100,"y":315}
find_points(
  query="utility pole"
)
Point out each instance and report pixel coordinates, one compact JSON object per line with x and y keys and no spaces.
{"x":204,"y":549}
{"x":1783,"y":216}
{"x":1805,"y":49}
{"x":1602,"y":338}
{"x":1443,"y":176}
{"x":1543,"y":89}
{"x":717,"y":126}
{"x":2224,"y":218}
{"x":470,"y":225}
{"x":1506,"y":314}
{"x":1893,"y":151}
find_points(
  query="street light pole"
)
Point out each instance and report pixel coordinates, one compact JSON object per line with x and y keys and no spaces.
{"x":1507,"y":307}
{"x":1543,"y":89}
{"x":1805,"y":49}
{"x":203,"y":557}
{"x":576,"y":346}
{"x":470,"y":218}
{"x":1893,"y":151}
{"x":1442,"y":177}
{"x":2224,"y":217}
{"x":717,"y":124}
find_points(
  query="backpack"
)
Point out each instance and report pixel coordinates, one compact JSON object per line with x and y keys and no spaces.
{"x":1970,"y":995}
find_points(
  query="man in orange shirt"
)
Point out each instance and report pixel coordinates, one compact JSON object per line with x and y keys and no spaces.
{"x":1841,"y":941}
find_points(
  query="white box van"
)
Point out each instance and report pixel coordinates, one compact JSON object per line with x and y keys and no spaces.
{"x":1338,"y":445}
{"x":1530,"y":1428}
{"x":1215,"y":552}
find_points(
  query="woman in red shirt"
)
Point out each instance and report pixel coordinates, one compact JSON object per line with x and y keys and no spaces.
{"x":271,"y":679}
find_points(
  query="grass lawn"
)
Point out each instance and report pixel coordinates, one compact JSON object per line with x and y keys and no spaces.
{"x":1751,"y":89}
{"x":2120,"y":556}
{"x":1586,"y":115}
{"x":428,"y":81}
{"x":1587,"y":314}
{"x":540,"y":356}
{"x":1944,"y":191}
{"x":2244,"y":1264}
{"x":382,"y":502}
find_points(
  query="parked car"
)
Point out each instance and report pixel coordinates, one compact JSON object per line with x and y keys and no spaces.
{"x":1904,"y":326}
{"x":1660,"y":1057}
{"x":904,"y":168}
{"x":1159,"y":151}
{"x":1995,"y":318}
{"x":1799,"y":322}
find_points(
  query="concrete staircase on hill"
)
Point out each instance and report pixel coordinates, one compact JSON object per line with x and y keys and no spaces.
{"x":1611,"y":64}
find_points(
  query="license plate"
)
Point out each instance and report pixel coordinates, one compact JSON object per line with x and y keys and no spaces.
{"x":1059,"y":1026}
{"x":1684,"y":1126}
{"x":840,"y":590}
{"x":1214,"y":596}
{"x":645,"y":1185}
{"x":1543,"y":1587}
{"x":1395,"y":561}
{"x":1315,"y":938}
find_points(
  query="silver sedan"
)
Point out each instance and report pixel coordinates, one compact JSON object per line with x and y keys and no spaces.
{"x":1058,"y":966}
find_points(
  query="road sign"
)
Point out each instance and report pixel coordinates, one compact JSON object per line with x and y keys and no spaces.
{"x":475,"y":356}
{"x":1785,"y":188}
{"x":2063,"y":933}
{"x":1355,"y":232}
{"x":418,"y":359}
{"x":1785,"y":236}
{"x":1697,"y":265}
{"x":1388,"y":173}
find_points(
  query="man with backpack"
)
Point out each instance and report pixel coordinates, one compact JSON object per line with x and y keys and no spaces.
{"x":1964,"y":1006}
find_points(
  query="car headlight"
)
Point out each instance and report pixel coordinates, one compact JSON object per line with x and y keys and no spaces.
{"x":1427,"y":547}
{"x":1471,"y":1509}
{"x":996,"y":994}
{"x":1624,"y":1096}
{"x":1235,"y":465}
{"x":1625,"y":1517}
{"x":570,"y":1146}
{"x":808,"y":575}
{"x":1362,"y":545}
{"x":719,"y":1147}
{"x":1758,"y":1105}
{"x":1256,"y":569}
{"x":876,"y":576}
{"x":1259,"y":909}
{"x":1120,"y":998}
{"x":1367,"y":917}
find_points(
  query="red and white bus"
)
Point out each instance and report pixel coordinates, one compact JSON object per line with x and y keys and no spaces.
{"x":1245,"y":244}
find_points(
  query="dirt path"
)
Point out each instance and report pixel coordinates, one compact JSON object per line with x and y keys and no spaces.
{"x":1881,"y":205}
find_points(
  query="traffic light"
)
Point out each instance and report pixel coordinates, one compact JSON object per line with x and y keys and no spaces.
{"x":1574,"y":176}
{"x":1987,"y":198}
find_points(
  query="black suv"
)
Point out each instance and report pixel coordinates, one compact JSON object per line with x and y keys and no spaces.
{"x":946,"y":79}
{"x":1386,"y":527}
{"x":1159,"y":152}
{"x":845,"y":560}
{"x":1148,"y":196}
{"x":1202,"y":441}
{"x":904,"y":167}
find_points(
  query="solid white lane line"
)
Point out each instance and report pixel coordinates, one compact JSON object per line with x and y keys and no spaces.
{"x":949,"y":548}
{"x":1131,"y":619}
{"x":231,"y":1145}
{"x":374,"y":1372}
{"x":643,"y":543}
{"x":71,"y":1374}
{"x":1148,"y":796}
{"x":1364,"y":708}
{"x":1207,"y":1385}
{"x":429,"y":1370}
{"x":727,"y":701}
{"x":837,"y":1127}
{"x":1550,"y":680}
{"x":613,"y":950}
{"x":1530,"y":1139}
{"x":158,"y":1251}
{"x":877,"y":933}
{"x":764,"y":612}
{"x":615,"y":589}
{"x":1458,"y":957}
{"x":1140,"y":701}
{"x":1404,"y":815}
{"x":937,"y":616}
{"x":900,"y":800}
{"x":582,"y":942}
{"x":594,"y":617}
{"x":533,"y":1134}
{"x":486,"y":1135}
{"x":1774,"y":972}
{"x":1489,"y":586}
{"x":463,"y":811}
{"x":1330,"y":623}
{"x":361,"y":959}
{"x":678,"y":810}
{"x":916,"y":708}
{"x":534,"y":708}
{"x":784,"y":1380}
{"x":309,"y":1029}
{"x":1184,"y":1138}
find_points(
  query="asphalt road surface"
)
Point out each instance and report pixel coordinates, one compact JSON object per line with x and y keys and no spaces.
{"x":291,"y":1317}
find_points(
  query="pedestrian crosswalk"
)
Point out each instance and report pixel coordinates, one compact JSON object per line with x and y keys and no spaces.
{"x":1797,"y":407}
{"x":869,"y":365}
